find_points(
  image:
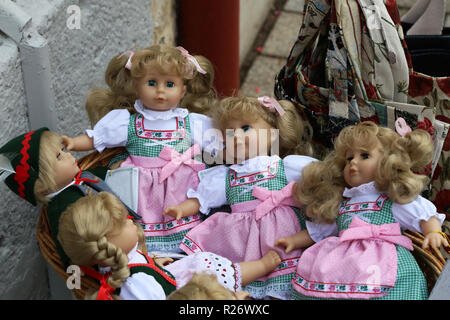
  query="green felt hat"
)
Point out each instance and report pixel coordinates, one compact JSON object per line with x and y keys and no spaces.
{"x":23,"y":155}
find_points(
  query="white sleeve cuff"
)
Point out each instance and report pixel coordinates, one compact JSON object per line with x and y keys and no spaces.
{"x":111,"y":130}
{"x":320,"y":231}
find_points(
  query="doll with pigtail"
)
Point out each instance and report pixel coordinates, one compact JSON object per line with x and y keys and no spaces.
{"x":37,"y":167}
{"x":369,"y":189}
{"x":97,"y":235}
{"x":163,"y":139}
{"x":266,"y":148}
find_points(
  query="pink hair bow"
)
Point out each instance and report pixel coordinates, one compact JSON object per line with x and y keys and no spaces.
{"x":272,"y":104}
{"x":273,"y":199}
{"x":128,"y":64}
{"x":401,"y":127}
{"x":190,"y":58}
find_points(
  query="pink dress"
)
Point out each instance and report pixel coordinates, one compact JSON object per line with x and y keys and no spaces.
{"x":162,"y":146}
{"x":263,"y":210}
{"x":369,"y":258}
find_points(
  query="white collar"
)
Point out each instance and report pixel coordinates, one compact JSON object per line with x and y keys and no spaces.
{"x":255,"y":164}
{"x":52,"y":195}
{"x":363,"y":189}
{"x":159,"y":115}
{"x":133,"y":255}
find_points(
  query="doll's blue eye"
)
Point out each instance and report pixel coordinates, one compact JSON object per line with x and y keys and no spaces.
{"x":246,"y":128}
{"x":349,"y":159}
{"x":170,"y":84}
{"x":365,"y":155}
{"x":151,"y":83}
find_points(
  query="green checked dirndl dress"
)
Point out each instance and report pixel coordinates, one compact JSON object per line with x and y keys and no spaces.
{"x":370,"y":259}
{"x":257,"y":219}
{"x":167,"y":169}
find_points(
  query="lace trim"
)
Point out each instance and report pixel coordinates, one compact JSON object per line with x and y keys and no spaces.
{"x":364,"y":189}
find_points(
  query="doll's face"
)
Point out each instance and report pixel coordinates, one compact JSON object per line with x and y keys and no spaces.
{"x":361,"y":165}
{"x":125,"y":238}
{"x":66,"y":167}
{"x":161,"y":91}
{"x":247,"y":139}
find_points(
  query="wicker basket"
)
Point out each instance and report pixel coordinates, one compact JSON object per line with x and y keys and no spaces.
{"x":45,"y":240}
{"x":430,"y":261}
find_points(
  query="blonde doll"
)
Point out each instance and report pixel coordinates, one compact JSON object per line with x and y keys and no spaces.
{"x":257,"y":187}
{"x":369,"y":189}
{"x":204,"y":286}
{"x":44,"y":173}
{"x":95,"y":231}
{"x":121,"y":94}
{"x":161,"y":138}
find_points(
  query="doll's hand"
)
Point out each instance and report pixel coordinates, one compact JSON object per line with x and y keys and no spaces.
{"x":435,"y":240}
{"x":68,"y":142}
{"x":288,"y":243}
{"x":162,"y":262}
{"x":174,"y":211}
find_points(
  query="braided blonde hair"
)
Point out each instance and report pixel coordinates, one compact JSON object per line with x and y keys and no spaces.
{"x":322,"y":182}
{"x":83,"y":231}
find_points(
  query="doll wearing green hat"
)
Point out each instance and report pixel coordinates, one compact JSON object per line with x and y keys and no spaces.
{"x":41,"y":172}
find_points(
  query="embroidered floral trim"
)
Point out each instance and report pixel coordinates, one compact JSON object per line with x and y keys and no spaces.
{"x":191,"y":245}
{"x":270,"y":173}
{"x":363,"y":206}
{"x":286,"y":264}
{"x":166,"y":226}
{"x":141,"y":132}
{"x":338,"y":287}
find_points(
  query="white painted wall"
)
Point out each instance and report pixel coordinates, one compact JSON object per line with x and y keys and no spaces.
{"x":252,"y":14}
{"x":78,"y":59}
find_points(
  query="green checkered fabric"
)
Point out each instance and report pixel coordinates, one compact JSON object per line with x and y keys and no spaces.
{"x":151,"y":146}
{"x":410,"y":283}
{"x":280,"y":286}
{"x":169,"y":243}
{"x":240,"y":193}
{"x":378,"y":217}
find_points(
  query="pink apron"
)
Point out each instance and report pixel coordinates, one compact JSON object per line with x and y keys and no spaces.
{"x":361,"y":263}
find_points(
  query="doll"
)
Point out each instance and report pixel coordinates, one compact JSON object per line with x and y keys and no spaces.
{"x":44,"y":173}
{"x":369,"y":189}
{"x":95,"y":231}
{"x":120,"y":94}
{"x":204,"y":286}
{"x":257,"y":187}
{"x":161,"y":138}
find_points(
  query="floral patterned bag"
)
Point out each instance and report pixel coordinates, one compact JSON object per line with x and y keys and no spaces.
{"x":350,"y":63}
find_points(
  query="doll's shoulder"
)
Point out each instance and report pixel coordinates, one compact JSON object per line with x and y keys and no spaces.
{"x":419,"y":204}
{"x":214,"y":173}
{"x":294,"y":165}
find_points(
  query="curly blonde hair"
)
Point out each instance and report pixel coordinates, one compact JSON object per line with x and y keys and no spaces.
{"x":121,"y":92}
{"x":83,"y":230}
{"x":322,"y":184}
{"x":202,"y":286}
{"x":294,"y":139}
